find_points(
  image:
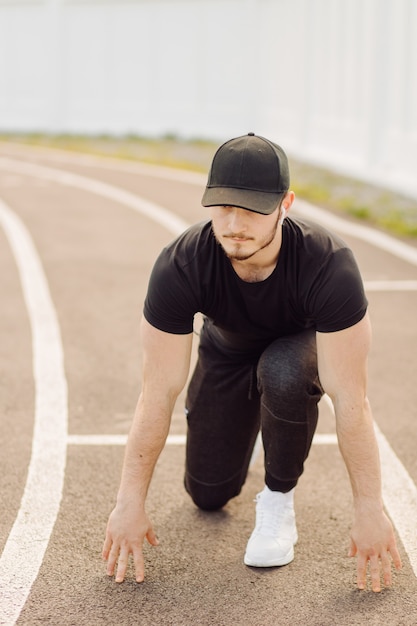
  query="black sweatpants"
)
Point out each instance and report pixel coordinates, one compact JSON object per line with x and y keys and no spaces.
{"x":231,"y":396}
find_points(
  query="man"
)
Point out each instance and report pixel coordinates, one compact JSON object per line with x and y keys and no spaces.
{"x":285,"y":320}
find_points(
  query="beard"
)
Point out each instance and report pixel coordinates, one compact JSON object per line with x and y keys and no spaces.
{"x":239,"y":253}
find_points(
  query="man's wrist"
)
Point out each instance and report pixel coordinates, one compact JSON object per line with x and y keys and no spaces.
{"x":366,"y":504}
{"x":128,"y":498}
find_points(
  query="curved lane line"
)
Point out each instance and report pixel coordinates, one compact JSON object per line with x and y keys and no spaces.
{"x":400,"y":497}
{"x":399,"y":494}
{"x":28,"y":539}
{"x":153,"y":211}
{"x":176,"y":225}
{"x":371,"y":236}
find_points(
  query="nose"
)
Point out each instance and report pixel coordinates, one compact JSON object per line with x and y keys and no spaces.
{"x":237,"y":219}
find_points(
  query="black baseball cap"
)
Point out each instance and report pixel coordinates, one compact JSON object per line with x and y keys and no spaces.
{"x":249,"y":172}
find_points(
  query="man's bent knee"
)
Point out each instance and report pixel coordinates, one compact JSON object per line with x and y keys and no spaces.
{"x":210,"y":497}
{"x":286,"y":367}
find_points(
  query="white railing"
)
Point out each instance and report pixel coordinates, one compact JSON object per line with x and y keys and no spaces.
{"x":333,"y":81}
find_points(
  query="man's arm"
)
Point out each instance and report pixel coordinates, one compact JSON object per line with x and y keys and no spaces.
{"x":166,"y":362}
{"x":342,"y":362}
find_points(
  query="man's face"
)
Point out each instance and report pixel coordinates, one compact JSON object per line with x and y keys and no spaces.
{"x":242,"y":233}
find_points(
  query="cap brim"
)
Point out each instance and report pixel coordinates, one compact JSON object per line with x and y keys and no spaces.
{"x":257,"y":201}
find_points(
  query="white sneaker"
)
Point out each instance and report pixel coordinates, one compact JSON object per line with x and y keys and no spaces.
{"x":275,"y":535}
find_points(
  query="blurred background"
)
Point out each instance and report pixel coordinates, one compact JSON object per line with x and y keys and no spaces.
{"x":333,"y":81}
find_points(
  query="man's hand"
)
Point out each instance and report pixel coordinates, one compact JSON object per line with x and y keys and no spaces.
{"x":373,"y":540}
{"x":126,"y":532}
{"x":342,"y":360}
{"x":166,"y":362}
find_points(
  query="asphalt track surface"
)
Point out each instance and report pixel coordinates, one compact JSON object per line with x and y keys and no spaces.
{"x":78,"y":237}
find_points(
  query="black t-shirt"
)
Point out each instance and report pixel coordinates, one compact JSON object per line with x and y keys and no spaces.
{"x":316,"y":284}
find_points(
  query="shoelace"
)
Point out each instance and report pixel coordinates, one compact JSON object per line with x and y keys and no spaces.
{"x":268,"y":519}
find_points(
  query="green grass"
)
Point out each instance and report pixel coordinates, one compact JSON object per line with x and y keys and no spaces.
{"x":169,"y":151}
{"x":364,"y":202}
{"x":382,"y":208}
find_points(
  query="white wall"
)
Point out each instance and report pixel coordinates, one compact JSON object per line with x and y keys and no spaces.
{"x":333,"y":81}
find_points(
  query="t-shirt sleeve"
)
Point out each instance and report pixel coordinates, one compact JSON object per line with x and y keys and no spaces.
{"x":337,"y":300}
{"x":170,"y":303}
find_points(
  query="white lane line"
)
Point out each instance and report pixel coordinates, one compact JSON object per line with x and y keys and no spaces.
{"x":153,"y":211}
{"x":172,"y":440}
{"x":177,"y":225}
{"x":390,"y":285}
{"x":400,"y":497}
{"x":325,"y":439}
{"x":28,"y":539}
{"x":366,"y":233}
{"x":64,"y":157}
{"x":399,"y":494}
{"x":180,"y":440}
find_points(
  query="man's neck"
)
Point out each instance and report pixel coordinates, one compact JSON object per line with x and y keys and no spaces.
{"x":251,"y":273}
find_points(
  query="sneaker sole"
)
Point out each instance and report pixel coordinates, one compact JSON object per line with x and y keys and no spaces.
{"x":284,"y":560}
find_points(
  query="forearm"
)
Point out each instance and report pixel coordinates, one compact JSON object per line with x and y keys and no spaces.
{"x":146,"y":440}
{"x":342,"y":359}
{"x":359,"y":449}
{"x":166,"y":361}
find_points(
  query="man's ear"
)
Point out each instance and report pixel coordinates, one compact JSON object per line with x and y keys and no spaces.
{"x":285,"y":206}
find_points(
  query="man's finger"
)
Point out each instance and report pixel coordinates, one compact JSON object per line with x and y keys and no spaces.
{"x":352,"y":548}
{"x":112,"y":559}
{"x":375,"y":573}
{"x":106,"y":548}
{"x":122,"y":565}
{"x":395,"y":555}
{"x":361,"y":571}
{"x":152,"y":538}
{"x":139,"y":565}
{"x":386,"y":569}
